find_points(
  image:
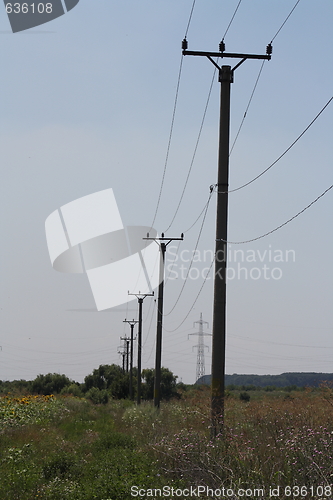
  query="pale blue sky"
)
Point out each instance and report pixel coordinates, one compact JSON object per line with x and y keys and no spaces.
{"x":86,"y":104}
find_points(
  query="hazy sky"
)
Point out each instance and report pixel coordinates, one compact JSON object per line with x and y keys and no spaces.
{"x":87,"y":103}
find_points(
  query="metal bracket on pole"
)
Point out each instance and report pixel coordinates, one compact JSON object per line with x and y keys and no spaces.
{"x":229,"y":55}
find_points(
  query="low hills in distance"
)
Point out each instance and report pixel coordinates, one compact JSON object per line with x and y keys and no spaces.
{"x":298,"y":379}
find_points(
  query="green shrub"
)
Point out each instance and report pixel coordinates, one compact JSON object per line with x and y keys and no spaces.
{"x":73,"y":389}
{"x":244,"y":396}
{"x":97,"y":396}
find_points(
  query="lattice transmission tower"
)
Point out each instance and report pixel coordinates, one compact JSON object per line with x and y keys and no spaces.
{"x":200,"y":369}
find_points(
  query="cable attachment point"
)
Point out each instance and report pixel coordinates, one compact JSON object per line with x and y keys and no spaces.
{"x":269,"y":49}
{"x":184,"y":44}
{"x":221,"y":46}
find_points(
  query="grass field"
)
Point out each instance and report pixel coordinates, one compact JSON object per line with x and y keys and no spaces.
{"x":59,"y":448}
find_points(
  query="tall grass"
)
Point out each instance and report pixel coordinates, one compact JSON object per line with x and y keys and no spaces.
{"x":69,"y":448}
{"x":266,"y":443}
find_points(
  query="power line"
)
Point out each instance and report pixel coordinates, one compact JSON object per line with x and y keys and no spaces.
{"x":247,"y":107}
{"x":190,"y":18}
{"x":260,"y":71}
{"x":194,"y":153}
{"x":203,"y":118}
{"x":195,"y":300}
{"x":169,"y":141}
{"x":202,"y":211}
{"x":284,"y":22}
{"x":284,"y":153}
{"x":281,"y":343}
{"x":172,"y":121}
{"x":190,"y":266}
{"x":233,"y":16}
{"x":207,"y":102}
{"x":281,"y":225}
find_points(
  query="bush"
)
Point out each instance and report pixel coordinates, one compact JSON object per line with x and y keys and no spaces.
{"x":73,"y":389}
{"x":97,"y":396}
{"x":52,"y":383}
{"x":244,"y":396}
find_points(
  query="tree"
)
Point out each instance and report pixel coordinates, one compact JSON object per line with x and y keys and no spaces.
{"x":168,"y":384}
{"x":52,"y":383}
{"x":110,"y":378}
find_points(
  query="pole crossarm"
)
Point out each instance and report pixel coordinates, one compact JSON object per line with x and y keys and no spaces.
{"x":226,"y":54}
{"x":141,"y":295}
{"x":162,"y":238}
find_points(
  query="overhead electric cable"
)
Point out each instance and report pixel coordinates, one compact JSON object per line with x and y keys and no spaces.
{"x":256,"y":83}
{"x":194,"y":153}
{"x":281,"y":225}
{"x":203,"y":118}
{"x":202,"y":211}
{"x":233,"y":16}
{"x":172,"y":120}
{"x":247,"y":107}
{"x":195,"y":300}
{"x":190,"y":266}
{"x":286,"y":151}
{"x":248,"y":241}
{"x":284,"y":22}
{"x":190,"y":18}
{"x":169,"y":140}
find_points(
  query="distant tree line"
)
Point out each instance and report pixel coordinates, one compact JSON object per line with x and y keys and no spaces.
{"x":105,"y":382}
{"x":289,"y":379}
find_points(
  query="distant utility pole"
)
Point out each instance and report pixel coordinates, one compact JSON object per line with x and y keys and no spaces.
{"x":157,"y":379}
{"x":200,"y":371}
{"x":123,"y":352}
{"x":126,"y":349}
{"x":140,"y":297}
{"x":131,"y":323}
{"x":226,"y":74}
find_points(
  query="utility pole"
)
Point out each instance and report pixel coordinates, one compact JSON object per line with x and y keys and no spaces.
{"x":123,"y":355}
{"x":123,"y":352}
{"x":131,"y":323}
{"x":140,"y":297}
{"x":226,"y":74}
{"x":200,"y":371}
{"x":157,"y":379}
{"x":126,"y":347}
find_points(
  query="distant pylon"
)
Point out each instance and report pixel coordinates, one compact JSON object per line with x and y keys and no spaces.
{"x":200,"y":370}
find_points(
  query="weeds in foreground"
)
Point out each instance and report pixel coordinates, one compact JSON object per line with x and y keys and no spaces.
{"x":75,"y":454}
{"x":71,"y":449}
{"x":265,"y":443}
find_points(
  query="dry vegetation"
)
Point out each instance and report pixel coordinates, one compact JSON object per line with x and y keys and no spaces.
{"x":68,"y":448}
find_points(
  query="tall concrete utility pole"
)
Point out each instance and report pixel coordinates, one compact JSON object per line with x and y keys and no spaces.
{"x":123,"y":355}
{"x":226,"y":75}
{"x":131,"y":323}
{"x":200,"y":370}
{"x":157,"y":379}
{"x":126,"y":349}
{"x":140,"y":297}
